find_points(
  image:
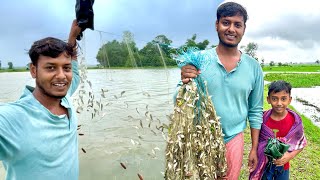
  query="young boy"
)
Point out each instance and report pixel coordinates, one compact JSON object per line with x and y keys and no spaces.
{"x":288,"y":127}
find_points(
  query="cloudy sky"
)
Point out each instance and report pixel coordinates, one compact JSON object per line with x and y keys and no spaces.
{"x":286,"y":30}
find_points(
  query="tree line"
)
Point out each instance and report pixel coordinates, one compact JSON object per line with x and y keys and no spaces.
{"x":155,"y":53}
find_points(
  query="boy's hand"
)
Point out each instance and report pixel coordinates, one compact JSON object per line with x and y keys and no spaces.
{"x":283,"y":160}
{"x":187,"y":72}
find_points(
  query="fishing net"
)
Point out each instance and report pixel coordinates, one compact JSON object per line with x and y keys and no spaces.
{"x":195,"y":147}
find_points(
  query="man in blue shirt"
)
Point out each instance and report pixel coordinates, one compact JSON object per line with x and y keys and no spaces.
{"x":38,"y":132}
{"x":235,"y":82}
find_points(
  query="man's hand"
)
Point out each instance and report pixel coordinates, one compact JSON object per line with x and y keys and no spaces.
{"x":75,"y":30}
{"x":187,"y":72}
{"x":253,"y":160}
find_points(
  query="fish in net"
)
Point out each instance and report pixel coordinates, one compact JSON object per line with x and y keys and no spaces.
{"x":195,"y":146}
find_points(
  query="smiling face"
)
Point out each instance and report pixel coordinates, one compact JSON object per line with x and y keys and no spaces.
{"x":279,"y":102}
{"x":53,"y":76}
{"x":230,"y":30}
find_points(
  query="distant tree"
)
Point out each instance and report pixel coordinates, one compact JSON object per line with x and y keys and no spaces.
{"x":272,"y":63}
{"x":164,"y":43}
{"x":279,"y":64}
{"x":128,"y":41}
{"x":192,"y":43}
{"x":262,"y":62}
{"x":251,"y":49}
{"x":112,"y":54}
{"x":317,"y":62}
{"x":0,"y":64}
{"x":213,"y":46}
{"x":10,"y":65}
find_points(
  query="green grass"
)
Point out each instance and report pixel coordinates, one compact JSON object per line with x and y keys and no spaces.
{"x":293,"y":68}
{"x":14,"y":70}
{"x":296,"y":79}
{"x":305,"y":165}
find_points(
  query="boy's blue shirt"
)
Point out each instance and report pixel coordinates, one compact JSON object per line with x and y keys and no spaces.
{"x":36,"y":144}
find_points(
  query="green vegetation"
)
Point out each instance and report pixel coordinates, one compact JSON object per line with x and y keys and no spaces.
{"x":296,"y":79}
{"x":292,"y":68}
{"x":156,"y":53}
{"x":14,"y":70}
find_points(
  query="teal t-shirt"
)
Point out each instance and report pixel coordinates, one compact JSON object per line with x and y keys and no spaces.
{"x":237,"y":95}
{"x":36,"y":144}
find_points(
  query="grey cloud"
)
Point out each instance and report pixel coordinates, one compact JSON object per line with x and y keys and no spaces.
{"x":302,"y":31}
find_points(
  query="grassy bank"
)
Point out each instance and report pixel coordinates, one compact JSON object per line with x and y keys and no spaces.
{"x":297,"y":80}
{"x":14,"y":70}
{"x":305,"y":165}
{"x":293,"y":68}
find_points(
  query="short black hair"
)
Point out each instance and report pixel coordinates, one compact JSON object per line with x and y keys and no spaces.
{"x":229,"y":9}
{"x":278,"y":86}
{"x":51,"y":47}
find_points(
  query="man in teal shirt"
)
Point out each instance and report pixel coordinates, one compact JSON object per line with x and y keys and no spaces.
{"x":235,"y":82}
{"x":38,"y":132}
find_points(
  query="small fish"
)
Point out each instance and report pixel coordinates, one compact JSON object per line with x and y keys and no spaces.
{"x":137,"y":110}
{"x":115,"y":96}
{"x":104,"y":90}
{"x":146,"y":94}
{"x":140,"y":177}
{"x":153,"y":132}
{"x":98,"y":103}
{"x":124,"y":167}
{"x":89,"y":84}
{"x":132,"y":141}
{"x":83,"y":150}
{"x":188,"y":174}
{"x":81,"y":134}
{"x":79,"y":109}
{"x":159,"y":120}
{"x":141,"y":123}
{"x":122,"y":93}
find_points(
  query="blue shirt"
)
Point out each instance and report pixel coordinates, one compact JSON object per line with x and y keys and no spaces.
{"x":36,"y":144}
{"x":237,"y":95}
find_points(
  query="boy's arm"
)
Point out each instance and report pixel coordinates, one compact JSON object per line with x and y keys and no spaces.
{"x":286,"y":157}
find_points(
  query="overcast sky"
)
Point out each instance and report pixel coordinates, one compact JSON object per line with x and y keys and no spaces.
{"x":286,"y":30}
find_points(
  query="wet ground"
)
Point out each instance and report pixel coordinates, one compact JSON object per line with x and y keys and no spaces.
{"x":307,"y":102}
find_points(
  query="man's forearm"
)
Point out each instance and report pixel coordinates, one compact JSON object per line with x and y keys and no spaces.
{"x":255,"y":138}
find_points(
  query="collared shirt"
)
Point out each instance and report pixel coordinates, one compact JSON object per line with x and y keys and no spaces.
{"x":36,"y":144}
{"x":237,"y":95}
